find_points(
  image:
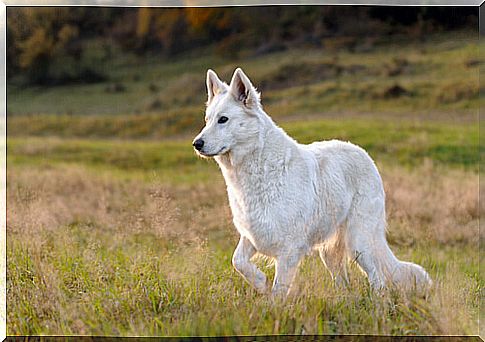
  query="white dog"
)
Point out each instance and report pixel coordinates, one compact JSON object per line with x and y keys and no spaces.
{"x":288,"y":199}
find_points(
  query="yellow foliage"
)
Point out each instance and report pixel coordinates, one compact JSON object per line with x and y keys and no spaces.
{"x":39,"y":43}
{"x":144,"y":19}
{"x":198,"y":17}
{"x":67,"y":33}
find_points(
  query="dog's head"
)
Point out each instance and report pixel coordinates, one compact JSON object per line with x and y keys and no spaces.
{"x":231,"y":116}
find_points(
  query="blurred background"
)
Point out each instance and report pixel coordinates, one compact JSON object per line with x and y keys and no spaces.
{"x":92,"y":60}
{"x":115,"y":227}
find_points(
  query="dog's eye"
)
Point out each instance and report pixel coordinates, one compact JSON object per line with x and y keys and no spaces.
{"x":222,"y":119}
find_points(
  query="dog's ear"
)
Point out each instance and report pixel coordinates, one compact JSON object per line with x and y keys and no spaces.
{"x":214,"y":85}
{"x":243,"y":90}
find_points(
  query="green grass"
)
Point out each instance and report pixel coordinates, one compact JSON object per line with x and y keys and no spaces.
{"x":130,"y":289}
{"x":134,"y":286}
{"x":401,"y":143}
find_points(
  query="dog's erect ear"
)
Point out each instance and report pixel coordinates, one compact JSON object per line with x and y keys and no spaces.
{"x":214,"y":85}
{"x":243,"y":90}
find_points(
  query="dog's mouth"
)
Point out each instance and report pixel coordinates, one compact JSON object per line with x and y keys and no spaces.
{"x":221,"y":151}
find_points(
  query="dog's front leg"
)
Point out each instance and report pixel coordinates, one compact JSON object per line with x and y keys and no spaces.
{"x":241,"y":261}
{"x":286,"y":268}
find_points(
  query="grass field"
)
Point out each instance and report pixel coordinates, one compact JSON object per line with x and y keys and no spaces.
{"x":115,"y":227}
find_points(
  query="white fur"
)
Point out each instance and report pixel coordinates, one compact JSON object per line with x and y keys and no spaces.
{"x":288,"y":199}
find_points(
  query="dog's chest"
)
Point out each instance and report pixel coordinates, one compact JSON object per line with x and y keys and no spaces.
{"x":263,"y":205}
{"x":255,"y":217}
{"x":256,"y":193}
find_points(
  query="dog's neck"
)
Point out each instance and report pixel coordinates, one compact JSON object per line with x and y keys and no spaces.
{"x":250,"y":160}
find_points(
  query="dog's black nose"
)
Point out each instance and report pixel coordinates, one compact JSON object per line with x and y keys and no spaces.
{"x":198,"y":144}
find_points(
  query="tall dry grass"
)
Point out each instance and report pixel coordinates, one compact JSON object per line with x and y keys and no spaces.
{"x":93,"y":254}
{"x":431,"y":204}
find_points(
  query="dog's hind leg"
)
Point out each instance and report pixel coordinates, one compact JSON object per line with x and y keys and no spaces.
{"x":367,"y":241}
{"x":369,"y":248}
{"x":241,"y":261}
{"x":334,"y":256}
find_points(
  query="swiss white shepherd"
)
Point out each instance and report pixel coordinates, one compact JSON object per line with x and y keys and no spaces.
{"x":288,"y":199}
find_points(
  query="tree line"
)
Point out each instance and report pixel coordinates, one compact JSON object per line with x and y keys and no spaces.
{"x":56,"y":45}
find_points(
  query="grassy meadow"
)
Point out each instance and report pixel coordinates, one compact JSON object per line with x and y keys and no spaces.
{"x":115,"y":227}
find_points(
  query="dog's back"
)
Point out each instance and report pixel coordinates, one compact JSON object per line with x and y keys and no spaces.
{"x":351,"y":162}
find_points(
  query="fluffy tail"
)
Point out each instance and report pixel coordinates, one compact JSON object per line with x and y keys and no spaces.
{"x":402,"y":274}
{"x":410,"y":275}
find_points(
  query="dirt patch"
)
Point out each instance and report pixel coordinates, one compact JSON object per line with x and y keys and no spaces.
{"x":154,"y":104}
{"x":473,"y":62}
{"x":153,"y":88}
{"x":391,"y":92}
{"x":395,"y":91}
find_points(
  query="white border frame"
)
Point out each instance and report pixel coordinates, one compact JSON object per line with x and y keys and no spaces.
{"x":220,"y":3}
{"x":151,"y":3}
